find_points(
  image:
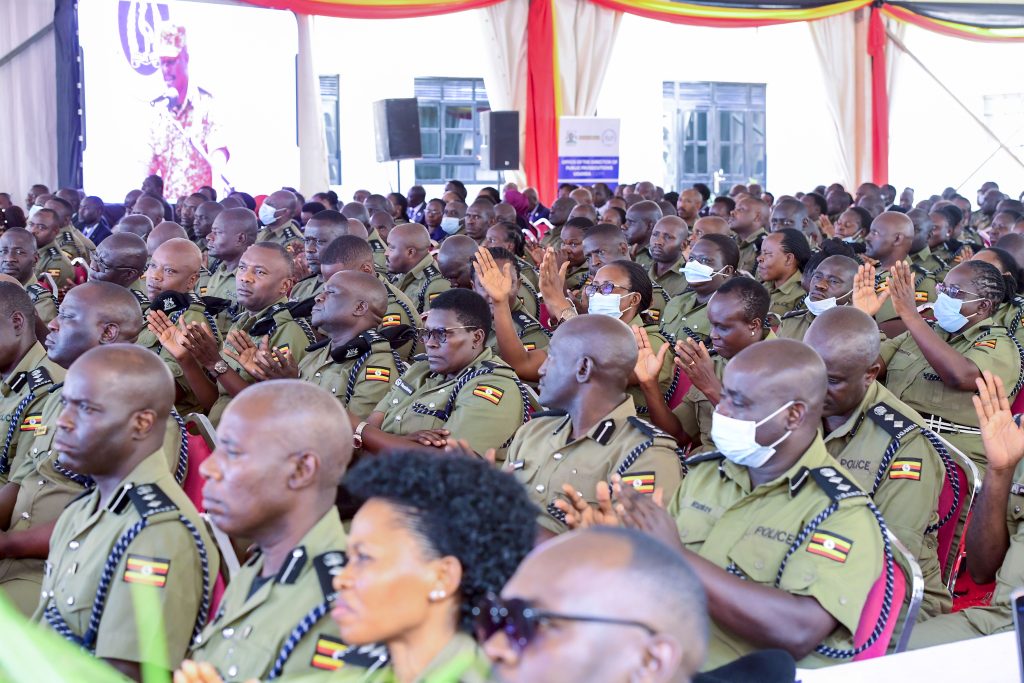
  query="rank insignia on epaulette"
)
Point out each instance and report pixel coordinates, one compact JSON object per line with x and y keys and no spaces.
{"x":375,"y":374}
{"x":327,"y":655}
{"x":52,"y":252}
{"x":391,"y":320}
{"x":31,"y":422}
{"x":642,"y":482}
{"x":488,"y":393}
{"x":987,"y":344}
{"x":906,"y":468}
{"x":829,"y":545}
{"x":920,"y":297}
{"x":149,"y":571}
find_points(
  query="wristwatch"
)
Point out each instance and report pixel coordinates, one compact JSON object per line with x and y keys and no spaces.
{"x":220,"y":367}
{"x":357,"y":436}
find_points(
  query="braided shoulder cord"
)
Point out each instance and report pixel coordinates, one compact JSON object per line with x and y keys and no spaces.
{"x":12,"y":427}
{"x":408,"y":311}
{"x":883,"y":466}
{"x":421,"y":296}
{"x":80,"y":479}
{"x":353,"y":375}
{"x":954,"y":481}
{"x":181,"y":470}
{"x":1015,"y":323}
{"x":56,"y":621}
{"x":297,"y":634}
{"x":306,"y":329}
{"x":632,"y":456}
{"x":400,"y":364}
{"x":673,"y":385}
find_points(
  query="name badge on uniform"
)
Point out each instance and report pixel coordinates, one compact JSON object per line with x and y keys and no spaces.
{"x":516,"y":464}
{"x":403,"y":386}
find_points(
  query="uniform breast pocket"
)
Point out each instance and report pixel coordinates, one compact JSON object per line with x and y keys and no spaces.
{"x":759,"y":554}
{"x":901,"y":361}
{"x":695,"y":520}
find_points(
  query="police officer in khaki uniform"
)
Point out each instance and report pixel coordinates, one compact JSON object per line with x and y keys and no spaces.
{"x":933,"y":370}
{"x":780,"y":265}
{"x":531,"y":333}
{"x":121,"y":260}
{"x":888,"y":243}
{"x":748,"y":222}
{"x":770,"y":522}
{"x":591,"y":431}
{"x":27,"y":374}
{"x":640,"y":220}
{"x":411,"y":266}
{"x":18,"y":257}
{"x":572,"y":251}
{"x":277,"y":214}
{"x":460,"y":388}
{"x":920,"y":252}
{"x":70,"y":239}
{"x":264,"y":278}
{"x":233,"y":231}
{"x":137,"y":531}
{"x":44,"y":226}
{"x":274,"y":618}
{"x":995,"y":538}
{"x":667,"y":243}
{"x":712,"y":261}
{"x":882,"y":442}
{"x":320,"y":231}
{"x":831,"y":285}
{"x":170,"y":282}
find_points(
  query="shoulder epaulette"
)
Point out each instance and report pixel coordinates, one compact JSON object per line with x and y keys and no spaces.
{"x":419,"y":357}
{"x":52,"y":252}
{"x":647,"y":428}
{"x":365,"y":656}
{"x":39,"y":377}
{"x":36,"y":290}
{"x":430,"y":272}
{"x":891,"y":420}
{"x":55,"y":387}
{"x":713,"y":456}
{"x":267,"y":324}
{"x":795,"y":314}
{"x":377,"y":245}
{"x":550,"y":413}
{"x":288,"y":233}
{"x":328,"y":565}
{"x":835,"y":485}
{"x":149,"y":500}
{"x":524,"y":321}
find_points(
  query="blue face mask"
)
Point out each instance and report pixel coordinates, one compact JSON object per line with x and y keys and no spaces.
{"x":947,"y":312}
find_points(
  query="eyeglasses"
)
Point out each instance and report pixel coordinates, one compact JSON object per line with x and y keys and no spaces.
{"x":100,"y":266}
{"x":953,"y":290}
{"x":520,"y":621}
{"x":602,"y":287}
{"x":440,"y":334}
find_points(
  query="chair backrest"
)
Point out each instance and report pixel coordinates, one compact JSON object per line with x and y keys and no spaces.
{"x":872,"y":613}
{"x":1018,"y":404}
{"x":682,"y":385}
{"x":81,"y":270}
{"x":201,"y":443}
{"x":952,"y":535}
{"x":907,"y":564}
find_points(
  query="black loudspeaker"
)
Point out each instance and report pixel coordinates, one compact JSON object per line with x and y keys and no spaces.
{"x":397,"y":125}
{"x":499,"y":148}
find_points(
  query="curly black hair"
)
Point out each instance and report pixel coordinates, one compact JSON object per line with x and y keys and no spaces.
{"x":1010,"y":269}
{"x":639,"y":281}
{"x":987,"y":281}
{"x":458,"y":506}
{"x":794,"y":242}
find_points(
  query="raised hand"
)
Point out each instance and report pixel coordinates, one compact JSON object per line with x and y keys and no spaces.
{"x":579,"y":514}
{"x":646,"y":513}
{"x":497,"y":282}
{"x":171,"y":337}
{"x":693,"y":359}
{"x":901,"y":290}
{"x":1002,"y":438}
{"x":199,"y":341}
{"x":865,"y":298}
{"x":648,"y":364}
{"x":274,"y":363}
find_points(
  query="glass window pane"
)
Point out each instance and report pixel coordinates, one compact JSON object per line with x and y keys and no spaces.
{"x":689,"y":126}
{"x":458,"y":144}
{"x":428,"y":116}
{"x":458,"y":116}
{"x":758,"y":162}
{"x":427,"y":172}
{"x":702,"y":125}
{"x":702,"y":159}
{"x":757,"y":126}
{"x":689,"y":159}
{"x":430,"y":141}
{"x":726,"y":161}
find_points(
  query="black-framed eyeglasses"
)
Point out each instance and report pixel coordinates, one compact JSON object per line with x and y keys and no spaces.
{"x":439,"y":334}
{"x":520,"y":621}
{"x":100,"y":266}
{"x":602,"y":287}
{"x":953,"y":291}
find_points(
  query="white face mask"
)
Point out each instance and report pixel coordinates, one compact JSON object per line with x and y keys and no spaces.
{"x":737,"y":439}
{"x":697,"y":272}
{"x":268,"y":214}
{"x":947,"y":312}
{"x":606,"y":304}
{"x":450,"y":225}
{"x":34,"y":210}
{"x":818,"y":307}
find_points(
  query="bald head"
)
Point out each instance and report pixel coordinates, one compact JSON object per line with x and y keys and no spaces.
{"x":165,"y":230}
{"x":150,"y":207}
{"x":174,"y":267}
{"x":710,"y":225}
{"x":133,"y":374}
{"x":357,"y":211}
{"x":358,"y":228}
{"x":844,"y":332}
{"x":891,"y":237}
{"x":575,"y":363}
{"x":285,"y":205}
{"x":411,"y":235}
{"x":137,"y":224}
{"x":455,"y":260}
{"x":120,"y":259}
{"x":1013,"y":243}
{"x":367,"y":287}
{"x":777,"y":371}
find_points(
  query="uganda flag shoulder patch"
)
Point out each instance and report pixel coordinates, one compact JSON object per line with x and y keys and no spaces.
{"x":391,"y":320}
{"x":433,"y":296}
{"x":327,"y":655}
{"x":376,"y":374}
{"x":920,"y":297}
{"x":642,"y":482}
{"x":149,"y":571}
{"x":906,"y":468}
{"x":832,"y":546}
{"x":488,"y":393}
{"x":31,"y":422}
{"x":654,"y":314}
{"x":530,"y":346}
{"x":986,"y":344}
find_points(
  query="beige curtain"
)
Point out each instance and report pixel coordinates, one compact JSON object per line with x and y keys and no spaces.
{"x":314,"y":175}
{"x":28,"y":106}
{"x":504,"y":29}
{"x":585,"y":33}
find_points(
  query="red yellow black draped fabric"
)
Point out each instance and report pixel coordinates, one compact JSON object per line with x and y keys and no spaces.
{"x":988,"y":22}
{"x":373,"y":9}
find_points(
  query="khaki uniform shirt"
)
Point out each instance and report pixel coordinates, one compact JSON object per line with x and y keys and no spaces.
{"x":422,"y":283}
{"x":788,"y":297}
{"x":544,"y":456}
{"x":795,"y":324}
{"x":685,"y":316}
{"x":659,"y":302}
{"x":285,"y":332}
{"x":924,"y":291}
{"x":380,"y":248}
{"x":163,"y":560}
{"x":460,"y":661}
{"x":44,"y":301}
{"x":288,"y":236}
{"x":307,"y":288}
{"x":749,"y":250}
{"x":672,"y":280}
{"x":749,"y":531}
{"x":929,"y":261}
{"x":980,"y":220}
{"x":401,"y":311}
{"x":910,"y":377}
{"x":22,"y":394}
{"x":362,"y":379}
{"x":74,"y":244}
{"x":575,"y":277}
{"x":483,"y":404}
{"x":530,"y":298}
{"x":907,"y":492}
{"x":529,"y":272}
{"x":253,"y":626}
{"x":531,"y":333}
{"x":222,"y":283}
{"x":1009,"y":316}
{"x":54,"y":263}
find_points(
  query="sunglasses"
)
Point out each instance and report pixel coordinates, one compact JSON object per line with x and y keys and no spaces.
{"x":440,"y":334}
{"x":953,"y":291}
{"x":602,"y":287}
{"x":520,"y":621}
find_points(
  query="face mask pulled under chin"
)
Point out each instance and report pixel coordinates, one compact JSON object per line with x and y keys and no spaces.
{"x":818,"y":307}
{"x":737,"y":439}
{"x":606,"y":304}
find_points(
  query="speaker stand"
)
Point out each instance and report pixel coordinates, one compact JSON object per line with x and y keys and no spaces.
{"x":398,"y":169}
